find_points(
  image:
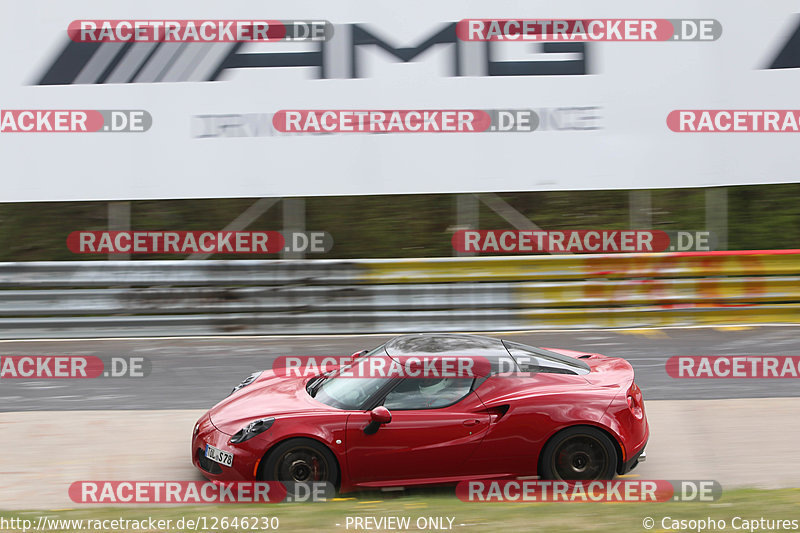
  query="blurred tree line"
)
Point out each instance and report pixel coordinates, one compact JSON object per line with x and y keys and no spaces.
{"x":759,"y":217}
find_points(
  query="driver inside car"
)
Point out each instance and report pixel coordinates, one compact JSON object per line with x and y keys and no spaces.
{"x":438,"y":392}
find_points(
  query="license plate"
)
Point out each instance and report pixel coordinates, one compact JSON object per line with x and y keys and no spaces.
{"x":219,"y":456}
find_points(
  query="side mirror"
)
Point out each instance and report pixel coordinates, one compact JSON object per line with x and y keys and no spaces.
{"x":358,"y":354}
{"x":378,"y":416}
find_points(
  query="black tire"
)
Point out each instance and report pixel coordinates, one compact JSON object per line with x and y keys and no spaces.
{"x":300,"y":460}
{"x":579,"y":453}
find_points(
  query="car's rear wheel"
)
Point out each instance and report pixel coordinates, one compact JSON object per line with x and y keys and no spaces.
{"x":579,"y":453}
{"x":301,"y":461}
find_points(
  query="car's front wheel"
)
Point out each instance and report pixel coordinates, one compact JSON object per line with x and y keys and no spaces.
{"x":579,"y":453}
{"x":301,"y":461}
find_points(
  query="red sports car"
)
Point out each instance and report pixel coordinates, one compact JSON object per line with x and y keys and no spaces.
{"x":552,"y":413}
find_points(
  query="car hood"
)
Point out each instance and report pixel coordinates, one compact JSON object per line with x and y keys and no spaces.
{"x":269,"y":395}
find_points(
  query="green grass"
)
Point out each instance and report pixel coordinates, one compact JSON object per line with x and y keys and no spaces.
{"x":469,"y":517}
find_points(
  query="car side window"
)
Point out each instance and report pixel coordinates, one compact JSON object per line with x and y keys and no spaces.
{"x":532,"y":359}
{"x":427,"y":393}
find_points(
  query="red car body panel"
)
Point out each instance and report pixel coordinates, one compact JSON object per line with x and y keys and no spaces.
{"x":498,"y":430}
{"x":434,"y":443}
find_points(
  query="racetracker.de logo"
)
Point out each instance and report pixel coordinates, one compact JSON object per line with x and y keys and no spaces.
{"x":72,"y":367}
{"x":613,"y":491}
{"x":580,"y":241}
{"x":193,"y":242}
{"x":734,"y":120}
{"x":74,"y":120}
{"x":423,"y":367}
{"x":572,"y":30}
{"x":405,"y":121}
{"x":175,"y":242}
{"x":203,"y":31}
{"x":176,"y":492}
{"x":733,"y":367}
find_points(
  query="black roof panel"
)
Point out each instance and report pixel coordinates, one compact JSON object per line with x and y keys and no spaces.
{"x":445,"y":344}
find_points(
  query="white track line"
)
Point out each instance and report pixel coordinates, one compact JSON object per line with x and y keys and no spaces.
{"x":353,"y":335}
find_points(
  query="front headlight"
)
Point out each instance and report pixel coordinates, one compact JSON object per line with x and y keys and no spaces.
{"x":247,"y":381}
{"x":252,"y":429}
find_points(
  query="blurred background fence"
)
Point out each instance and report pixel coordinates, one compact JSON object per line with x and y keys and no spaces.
{"x":223,"y":297}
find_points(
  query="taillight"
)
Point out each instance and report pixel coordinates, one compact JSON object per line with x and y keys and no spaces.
{"x":635,"y":400}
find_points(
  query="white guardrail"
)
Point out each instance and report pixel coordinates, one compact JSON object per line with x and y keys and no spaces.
{"x":133,"y":298}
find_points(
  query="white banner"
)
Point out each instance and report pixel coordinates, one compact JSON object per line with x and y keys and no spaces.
{"x":152,"y":117}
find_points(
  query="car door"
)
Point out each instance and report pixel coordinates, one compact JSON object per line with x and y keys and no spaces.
{"x":428,"y":437}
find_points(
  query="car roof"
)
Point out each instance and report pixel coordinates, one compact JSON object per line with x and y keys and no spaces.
{"x":445,"y":344}
{"x":454,"y":344}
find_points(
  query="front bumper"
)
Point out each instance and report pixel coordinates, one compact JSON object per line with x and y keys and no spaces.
{"x":245,"y":458}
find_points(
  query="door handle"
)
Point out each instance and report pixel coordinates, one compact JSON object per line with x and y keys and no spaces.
{"x":472,"y":422}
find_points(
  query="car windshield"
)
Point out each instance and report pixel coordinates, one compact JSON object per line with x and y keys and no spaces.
{"x":346,"y":392}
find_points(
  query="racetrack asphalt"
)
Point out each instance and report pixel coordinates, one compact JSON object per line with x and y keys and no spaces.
{"x":195,"y":373}
{"x":739,"y":443}
{"x":700,"y":429}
